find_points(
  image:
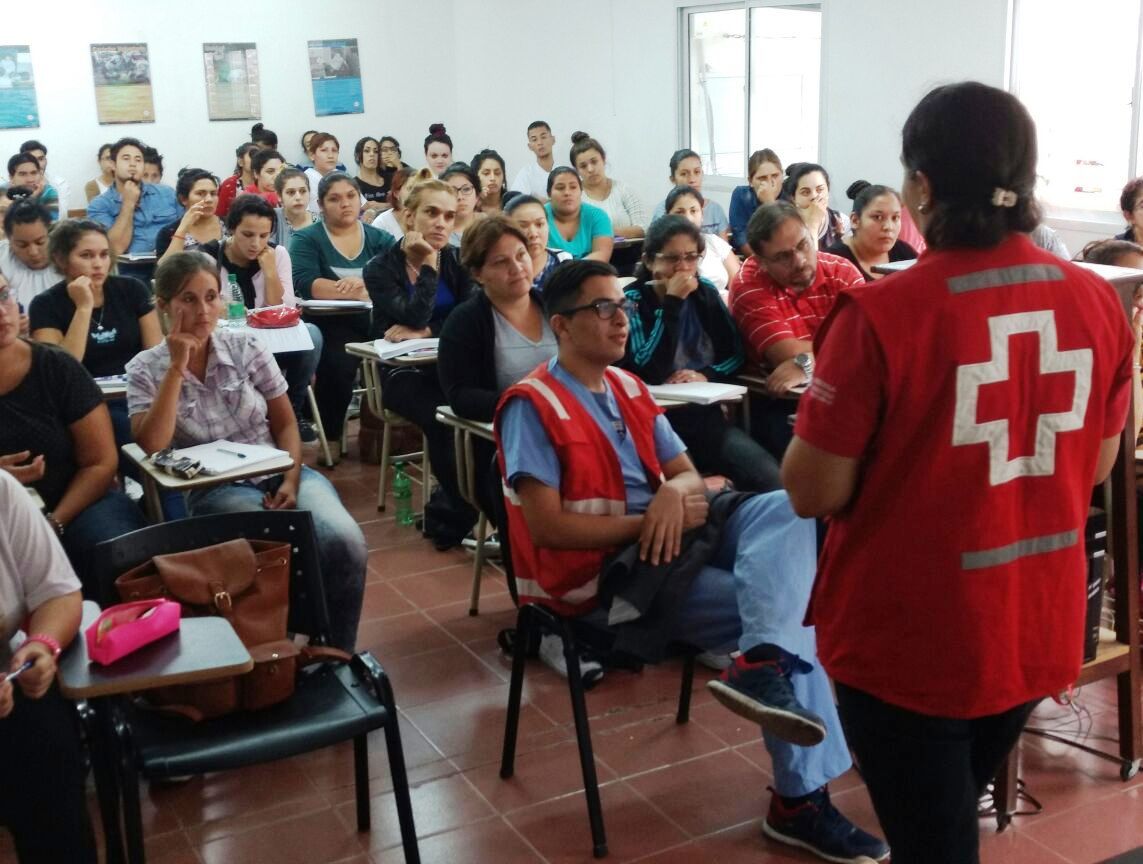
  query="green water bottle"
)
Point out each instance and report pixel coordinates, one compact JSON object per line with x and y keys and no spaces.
{"x":402,"y":494}
{"x":235,"y":304}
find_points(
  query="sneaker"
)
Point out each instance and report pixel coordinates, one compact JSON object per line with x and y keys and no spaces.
{"x":307,"y":432}
{"x":132,"y":489}
{"x":714,"y":660}
{"x":491,"y":544}
{"x":817,"y":826}
{"x":761,"y":692}
{"x":552,"y":653}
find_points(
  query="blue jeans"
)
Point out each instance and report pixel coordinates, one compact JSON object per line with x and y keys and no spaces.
{"x":111,"y":516}
{"x":299,"y":367}
{"x":341,"y":545}
{"x":173,"y":504}
{"x":754,"y":591}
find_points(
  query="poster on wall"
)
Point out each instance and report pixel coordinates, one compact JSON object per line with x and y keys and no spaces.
{"x":17,"y":88}
{"x":335,"y":70}
{"x":122,"y":73}
{"x":233,"y":87}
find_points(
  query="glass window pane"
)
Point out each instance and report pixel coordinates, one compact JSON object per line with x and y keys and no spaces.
{"x":785,"y":81}
{"x":1075,"y":72}
{"x":718,"y":89}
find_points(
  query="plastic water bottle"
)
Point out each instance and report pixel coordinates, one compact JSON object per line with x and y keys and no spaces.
{"x":236,"y":304}
{"x":402,"y":494}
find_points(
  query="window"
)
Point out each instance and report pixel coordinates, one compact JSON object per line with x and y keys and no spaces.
{"x":1077,"y":73}
{"x":754,"y":81}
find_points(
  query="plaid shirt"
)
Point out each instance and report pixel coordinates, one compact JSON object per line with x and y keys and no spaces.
{"x":230,"y":402}
{"x":767,"y":312}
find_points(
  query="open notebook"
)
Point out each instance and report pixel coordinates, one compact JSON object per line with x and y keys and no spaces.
{"x":386,"y":349}
{"x":699,"y":392}
{"x":221,"y":456}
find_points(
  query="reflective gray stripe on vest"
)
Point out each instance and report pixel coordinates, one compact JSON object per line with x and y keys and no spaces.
{"x":999,"y":276}
{"x":1019,"y":549}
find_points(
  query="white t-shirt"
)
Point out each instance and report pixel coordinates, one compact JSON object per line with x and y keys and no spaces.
{"x":623,"y":206}
{"x":26,"y":282}
{"x":63,"y":193}
{"x":532,"y":180}
{"x":711,"y":267}
{"x":388,"y":223}
{"x":33,"y":566}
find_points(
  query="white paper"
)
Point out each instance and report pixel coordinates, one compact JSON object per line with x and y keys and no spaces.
{"x":221,"y":456}
{"x":387,"y":350}
{"x":699,"y":392}
{"x":335,"y":304}
{"x":283,"y":339}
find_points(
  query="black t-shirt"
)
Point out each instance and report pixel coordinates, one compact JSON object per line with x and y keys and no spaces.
{"x":374,"y":193}
{"x":245,"y":273}
{"x":114,"y":336}
{"x":36,"y":413}
{"x":900,"y":251}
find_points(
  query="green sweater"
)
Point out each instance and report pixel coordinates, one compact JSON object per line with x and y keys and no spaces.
{"x":314,"y":256}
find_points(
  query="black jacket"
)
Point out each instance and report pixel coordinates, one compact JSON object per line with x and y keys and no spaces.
{"x":466,"y":360}
{"x":654,"y":332}
{"x":396,"y":302}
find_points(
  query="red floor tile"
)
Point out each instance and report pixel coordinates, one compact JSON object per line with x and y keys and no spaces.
{"x":382,"y":601}
{"x":483,"y":842}
{"x":437,"y":675}
{"x":450,"y":585}
{"x":1093,"y":831}
{"x":413,"y":557}
{"x":539,"y":775}
{"x":401,"y":636}
{"x":319,"y":836}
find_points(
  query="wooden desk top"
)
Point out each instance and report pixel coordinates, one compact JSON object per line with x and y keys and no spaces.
{"x":168,"y":481}
{"x":203,"y":649}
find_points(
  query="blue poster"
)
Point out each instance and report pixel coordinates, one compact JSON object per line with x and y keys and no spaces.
{"x":335,"y":71}
{"x":17,"y":89}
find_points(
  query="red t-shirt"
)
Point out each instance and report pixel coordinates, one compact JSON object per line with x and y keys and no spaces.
{"x":974,"y":389}
{"x":767,"y":312}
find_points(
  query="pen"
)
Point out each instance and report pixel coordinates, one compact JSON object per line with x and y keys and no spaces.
{"x":24,"y":667}
{"x":231,"y":452}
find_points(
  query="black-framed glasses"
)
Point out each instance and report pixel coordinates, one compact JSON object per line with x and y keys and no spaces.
{"x":685,"y":258}
{"x":605,"y":309}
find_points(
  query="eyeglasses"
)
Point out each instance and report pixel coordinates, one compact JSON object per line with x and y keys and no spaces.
{"x":687,"y":258}
{"x":605,"y":309}
{"x":465,"y":191}
{"x":787,"y":258}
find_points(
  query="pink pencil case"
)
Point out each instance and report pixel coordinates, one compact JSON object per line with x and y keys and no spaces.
{"x":127,"y":627}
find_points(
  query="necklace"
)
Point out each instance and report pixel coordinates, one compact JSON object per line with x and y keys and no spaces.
{"x":99,"y":323}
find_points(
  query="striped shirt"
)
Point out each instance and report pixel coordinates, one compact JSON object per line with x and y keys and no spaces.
{"x":230,"y":401}
{"x":767,"y":312}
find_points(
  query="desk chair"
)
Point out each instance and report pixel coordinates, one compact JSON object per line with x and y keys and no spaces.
{"x":577,"y":635}
{"x":312,"y":399}
{"x":331,"y":703}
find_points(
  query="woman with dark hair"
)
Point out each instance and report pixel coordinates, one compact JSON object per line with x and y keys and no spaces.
{"x":306,"y":161}
{"x":686,"y":170}
{"x":367,"y":155}
{"x":463,"y":179}
{"x":197,"y":192}
{"x":263,"y":137}
{"x":24,"y":258}
{"x":614,"y":198}
{"x":764,"y":184}
{"x":438,"y":149}
{"x":1131,"y":205}
{"x":328,"y":259}
{"x":266,"y":165}
{"x":582,"y":230}
{"x":807,"y":188}
{"x":203,"y":383}
{"x":106,"y":179}
{"x":680,"y":331}
{"x":490,"y":171}
{"x":323,"y":152}
{"x":390,"y":150}
{"x":293,"y":189}
{"x":718,"y":264}
{"x":237,"y":182}
{"x":531,"y":217}
{"x":957,"y":475}
{"x":876,"y":222}
{"x":414,"y":286}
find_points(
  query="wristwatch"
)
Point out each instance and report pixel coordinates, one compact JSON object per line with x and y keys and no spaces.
{"x":805,"y":362}
{"x":57,"y":526}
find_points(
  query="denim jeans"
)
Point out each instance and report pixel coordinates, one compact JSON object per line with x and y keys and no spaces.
{"x":299,"y":367}
{"x":717,"y":446}
{"x":173,"y":504}
{"x":111,"y":516}
{"x":754,"y":591}
{"x":336,"y":369}
{"x":341,"y":545}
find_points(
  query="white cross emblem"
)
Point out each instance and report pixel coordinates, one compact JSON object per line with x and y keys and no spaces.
{"x":971,"y":377}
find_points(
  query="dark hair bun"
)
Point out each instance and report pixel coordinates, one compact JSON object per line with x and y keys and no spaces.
{"x":856,"y":188}
{"x":579,"y":136}
{"x":792,"y":168}
{"x":256,"y":128}
{"x":437,"y":129}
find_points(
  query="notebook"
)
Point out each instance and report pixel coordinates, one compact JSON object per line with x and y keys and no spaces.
{"x":221,"y":456}
{"x":699,"y":392}
{"x":387,"y":350}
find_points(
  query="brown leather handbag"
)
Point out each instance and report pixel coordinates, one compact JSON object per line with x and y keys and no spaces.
{"x":247,"y":582}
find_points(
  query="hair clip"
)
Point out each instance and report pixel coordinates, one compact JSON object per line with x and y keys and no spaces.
{"x":1004,"y":197}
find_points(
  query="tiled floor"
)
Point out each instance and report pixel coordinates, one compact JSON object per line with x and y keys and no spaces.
{"x":671,"y":794}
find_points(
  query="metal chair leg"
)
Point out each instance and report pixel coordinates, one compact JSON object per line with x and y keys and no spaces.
{"x":383,"y":478}
{"x":318,"y":425}
{"x":684,"y":712}
{"x":583,"y":740}
{"x":478,"y":565}
{"x":515,"y":689}
{"x":361,"y":781}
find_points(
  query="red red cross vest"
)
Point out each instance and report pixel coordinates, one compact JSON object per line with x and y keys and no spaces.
{"x":591,"y":481}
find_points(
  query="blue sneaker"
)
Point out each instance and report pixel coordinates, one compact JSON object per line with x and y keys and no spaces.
{"x":817,"y":826}
{"x":761,"y":692}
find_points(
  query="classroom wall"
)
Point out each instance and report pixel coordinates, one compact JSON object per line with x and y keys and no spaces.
{"x":609,"y":67}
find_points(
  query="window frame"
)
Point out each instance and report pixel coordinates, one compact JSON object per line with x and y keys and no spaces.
{"x":725,"y":182}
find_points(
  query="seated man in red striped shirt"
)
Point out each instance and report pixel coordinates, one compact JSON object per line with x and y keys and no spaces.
{"x":779,"y":299}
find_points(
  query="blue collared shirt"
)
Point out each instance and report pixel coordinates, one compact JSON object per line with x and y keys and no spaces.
{"x":157,"y":207}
